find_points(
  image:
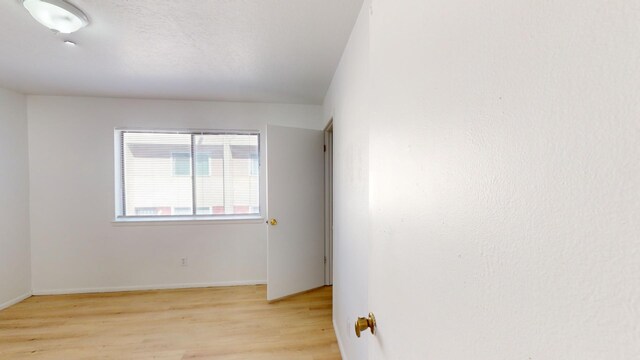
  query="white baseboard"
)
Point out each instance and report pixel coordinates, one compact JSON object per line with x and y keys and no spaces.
{"x":335,"y":329}
{"x":147,"y":287}
{"x":15,"y":301}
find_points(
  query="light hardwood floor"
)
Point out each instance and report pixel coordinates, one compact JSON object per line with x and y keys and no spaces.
{"x":213,"y":323}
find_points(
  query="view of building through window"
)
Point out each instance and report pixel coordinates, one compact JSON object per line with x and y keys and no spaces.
{"x":158,"y":177}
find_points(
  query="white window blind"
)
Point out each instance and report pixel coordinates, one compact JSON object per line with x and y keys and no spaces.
{"x":157,"y":176}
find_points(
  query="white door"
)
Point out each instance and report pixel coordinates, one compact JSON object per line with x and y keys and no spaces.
{"x":419,"y":263}
{"x":295,"y":200}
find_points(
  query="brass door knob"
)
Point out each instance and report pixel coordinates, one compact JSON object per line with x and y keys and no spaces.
{"x":273,"y":222}
{"x":364,"y":323}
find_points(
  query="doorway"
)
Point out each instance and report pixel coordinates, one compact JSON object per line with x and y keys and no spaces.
{"x":328,"y":206}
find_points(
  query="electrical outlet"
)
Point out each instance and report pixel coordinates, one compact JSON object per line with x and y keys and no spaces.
{"x":184,"y":262}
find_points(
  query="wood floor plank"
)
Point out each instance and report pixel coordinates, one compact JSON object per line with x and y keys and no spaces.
{"x":213,"y":323}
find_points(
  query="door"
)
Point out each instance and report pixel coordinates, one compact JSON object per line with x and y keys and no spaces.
{"x":413,"y":253}
{"x":295,"y":203}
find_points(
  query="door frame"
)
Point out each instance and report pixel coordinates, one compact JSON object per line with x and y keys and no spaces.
{"x":328,"y":203}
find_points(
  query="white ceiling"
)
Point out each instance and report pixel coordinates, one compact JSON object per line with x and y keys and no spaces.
{"x":233,"y":50}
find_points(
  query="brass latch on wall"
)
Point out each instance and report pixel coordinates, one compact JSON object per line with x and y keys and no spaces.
{"x":366,"y":323}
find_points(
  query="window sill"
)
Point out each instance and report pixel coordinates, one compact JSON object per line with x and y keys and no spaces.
{"x":188,"y":220}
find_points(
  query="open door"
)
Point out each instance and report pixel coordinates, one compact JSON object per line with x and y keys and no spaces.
{"x":295,"y":202}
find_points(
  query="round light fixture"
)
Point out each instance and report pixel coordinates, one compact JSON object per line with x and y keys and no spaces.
{"x":57,"y":15}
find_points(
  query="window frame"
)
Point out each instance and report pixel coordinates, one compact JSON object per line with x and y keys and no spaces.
{"x":120,"y":199}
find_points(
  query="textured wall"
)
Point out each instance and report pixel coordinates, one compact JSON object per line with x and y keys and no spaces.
{"x":15,"y":268}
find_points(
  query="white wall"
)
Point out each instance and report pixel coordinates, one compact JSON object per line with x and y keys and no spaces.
{"x":504,"y":180}
{"x":75,"y":245}
{"x":347,"y":103}
{"x":15,"y":268}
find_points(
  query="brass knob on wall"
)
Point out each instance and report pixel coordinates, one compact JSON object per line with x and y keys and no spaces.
{"x":366,"y":323}
{"x":273,"y":222}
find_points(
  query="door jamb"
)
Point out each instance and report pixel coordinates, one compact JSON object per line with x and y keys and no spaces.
{"x":328,"y":202}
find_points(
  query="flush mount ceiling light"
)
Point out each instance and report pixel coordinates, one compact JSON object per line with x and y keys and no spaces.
{"x":57,"y":15}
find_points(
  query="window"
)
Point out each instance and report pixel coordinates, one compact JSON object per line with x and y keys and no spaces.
{"x":182,"y":164}
{"x":254,"y":164}
{"x":205,"y":210}
{"x":182,"y":211}
{"x":202,"y":165}
{"x":156,"y":177}
{"x":147,"y":211}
